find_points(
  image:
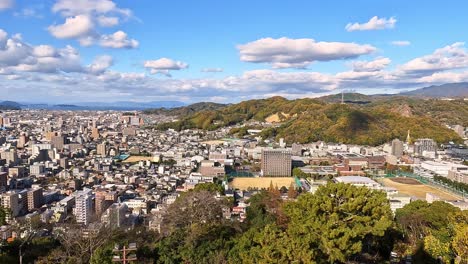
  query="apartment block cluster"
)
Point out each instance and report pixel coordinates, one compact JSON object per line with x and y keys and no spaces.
{"x":115,"y":169}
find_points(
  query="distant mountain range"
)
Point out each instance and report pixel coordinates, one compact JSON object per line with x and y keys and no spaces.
{"x":449,"y":90}
{"x":120,"y":105}
{"x":441,"y":91}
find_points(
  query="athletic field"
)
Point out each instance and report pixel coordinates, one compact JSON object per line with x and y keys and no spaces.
{"x":260,"y":182}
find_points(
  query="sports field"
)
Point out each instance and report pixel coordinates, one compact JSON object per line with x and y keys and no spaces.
{"x":416,"y":189}
{"x":133,"y":159}
{"x":260,"y":182}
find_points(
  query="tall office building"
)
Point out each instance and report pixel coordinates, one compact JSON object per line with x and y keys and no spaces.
{"x":397,"y":148}
{"x":83,"y":207}
{"x":35,"y":198}
{"x":276,"y":162}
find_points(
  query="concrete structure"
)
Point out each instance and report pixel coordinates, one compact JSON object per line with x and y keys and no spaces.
{"x":83,"y":207}
{"x":35,"y":198}
{"x":423,"y":146}
{"x":276,"y":162}
{"x":397,"y":148}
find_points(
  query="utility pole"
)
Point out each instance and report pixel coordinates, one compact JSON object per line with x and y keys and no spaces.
{"x":126,"y":254}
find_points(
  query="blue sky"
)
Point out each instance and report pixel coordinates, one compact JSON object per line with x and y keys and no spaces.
{"x":225,"y":51}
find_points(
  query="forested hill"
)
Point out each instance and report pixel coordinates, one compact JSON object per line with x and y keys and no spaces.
{"x":185,"y":110}
{"x":308,"y":120}
{"x":9,"y":105}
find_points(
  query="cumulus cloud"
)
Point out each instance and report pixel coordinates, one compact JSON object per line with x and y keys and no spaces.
{"x":58,"y":74}
{"x":375,"y":23}
{"x":118,"y":40}
{"x":18,"y":56}
{"x":79,"y":7}
{"x":74,"y":27}
{"x":6,"y":4}
{"x":212,"y":70}
{"x":100,"y":64}
{"x":164,"y":66}
{"x":400,"y":43}
{"x":450,"y":57}
{"x":299,"y":53}
{"x":370,"y":66}
{"x":83,"y":18}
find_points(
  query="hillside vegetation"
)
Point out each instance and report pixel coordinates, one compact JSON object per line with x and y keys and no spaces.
{"x":308,"y":120}
{"x":185,"y":110}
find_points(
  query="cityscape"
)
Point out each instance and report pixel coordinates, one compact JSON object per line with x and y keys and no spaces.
{"x":112,"y":152}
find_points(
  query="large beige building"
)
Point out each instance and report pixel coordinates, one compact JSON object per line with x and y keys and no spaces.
{"x":276,"y":162}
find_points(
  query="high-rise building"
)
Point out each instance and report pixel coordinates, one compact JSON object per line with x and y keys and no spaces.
{"x":83,"y":207}
{"x":397,"y":148}
{"x":115,"y":215}
{"x":103,"y":200}
{"x":58,"y":142}
{"x":35,"y":198}
{"x":3,"y":181}
{"x":6,"y":121}
{"x":276,"y":162}
{"x":102,"y":149}
{"x":10,"y":201}
{"x":95,"y":133}
{"x":424,"y":145}
{"x":21,"y":141}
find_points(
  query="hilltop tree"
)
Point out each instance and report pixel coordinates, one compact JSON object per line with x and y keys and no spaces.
{"x":338,"y":222}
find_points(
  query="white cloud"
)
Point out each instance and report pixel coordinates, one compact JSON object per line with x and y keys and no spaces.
{"x":375,"y":23}
{"x":57,"y":74}
{"x":212,"y":70}
{"x":299,"y":53}
{"x":106,"y":21}
{"x":13,"y":50}
{"x":118,"y":40}
{"x":17,"y":56}
{"x":400,"y":43}
{"x":79,"y":7}
{"x":370,"y":66}
{"x":100,"y":64}
{"x":164,"y":66}
{"x":83,"y":18}
{"x":450,"y":57}
{"x":74,"y":27}
{"x":6,"y":4}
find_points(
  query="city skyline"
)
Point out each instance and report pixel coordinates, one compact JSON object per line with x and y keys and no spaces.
{"x":102,"y":50}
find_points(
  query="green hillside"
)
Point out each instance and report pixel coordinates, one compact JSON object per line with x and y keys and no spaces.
{"x":185,"y":110}
{"x":308,"y":120}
